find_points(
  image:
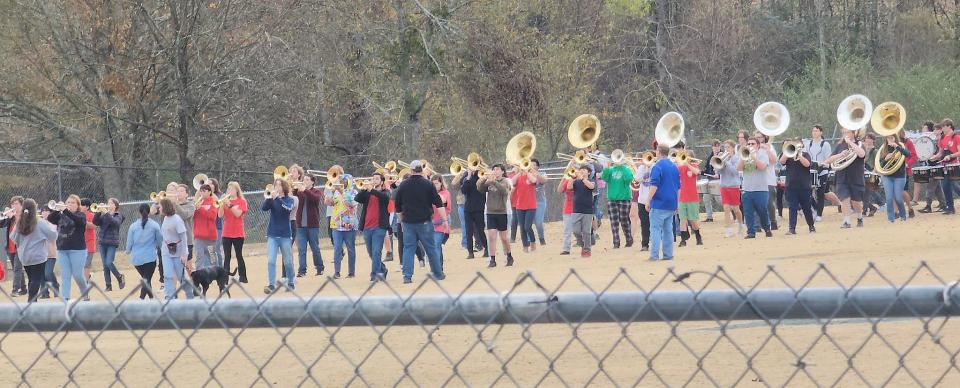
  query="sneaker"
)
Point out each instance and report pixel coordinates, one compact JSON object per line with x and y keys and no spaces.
{"x":728,"y":233}
{"x":911,"y":214}
{"x":526,"y":249}
{"x":336,"y":275}
{"x":492,"y":263}
{"x":775,"y":227}
{"x":683,"y":243}
{"x":389,"y":257}
{"x":122,"y":281}
{"x":818,"y":219}
{"x":845,"y":225}
{"x":509,"y":260}
{"x":423,"y":263}
{"x":709,"y":219}
{"x":949,"y":212}
{"x":859,"y":222}
{"x":441,"y":277}
{"x":768,"y":233}
{"x":926,"y":210}
{"x":792,"y":231}
{"x":470,"y":256}
{"x":543,"y":242}
{"x":585,"y":253}
{"x":629,"y":244}
{"x":407,"y":281}
{"x":668,"y":258}
{"x":749,"y":236}
{"x":319,"y":272}
{"x":269,"y":290}
{"x":301,"y":274}
{"x":350,"y":275}
{"x":813,"y":229}
{"x":108,"y":288}
{"x":644,"y":249}
{"x":616,"y":247}
{"x":903,"y":219}
{"x":291,"y":287}
{"x":651,"y":258}
{"x":565,"y":253}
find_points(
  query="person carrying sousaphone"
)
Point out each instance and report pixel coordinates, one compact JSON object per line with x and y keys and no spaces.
{"x":850,"y":180}
{"x":893,"y":181}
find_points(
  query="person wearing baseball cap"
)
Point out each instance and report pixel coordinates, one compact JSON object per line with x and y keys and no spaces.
{"x":414,"y":200}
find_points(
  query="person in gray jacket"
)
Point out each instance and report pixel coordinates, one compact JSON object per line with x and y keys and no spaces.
{"x":31,"y":236}
{"x":109,"y":221}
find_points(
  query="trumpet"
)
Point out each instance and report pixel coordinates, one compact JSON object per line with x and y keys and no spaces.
{"x":792,"y":149}
{"x":7,"y":213}
{"x":746,"y":154}
{"x":99,"y":208}
{"x":648,"y":158}
{"x":222,"y":201}
{"x":331,"y":185}
{"x":719,"y":160}
{"x":475,"y":162}
{"x":56,"y":206}
{"x":156,"y":197}
{"x":333,"y":173}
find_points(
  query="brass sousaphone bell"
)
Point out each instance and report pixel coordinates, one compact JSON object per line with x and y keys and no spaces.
{"x":888,"y":118}
{"x":200,"y":180}
{"x":771,"y":118}
{"x":854,"y":112}
{"x":521,"y":147}
{"x":584,"y":131}
{"x":669,"y":129}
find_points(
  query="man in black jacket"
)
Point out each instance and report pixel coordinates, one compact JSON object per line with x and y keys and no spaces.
{"x":374,"y":222}
{"x":473,"y":213}
{"x":415,"y":200}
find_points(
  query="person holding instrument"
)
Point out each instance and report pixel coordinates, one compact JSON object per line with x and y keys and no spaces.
{"x":279,"y":204}
{"x":894,"y":183}
{"x":799,"y":189}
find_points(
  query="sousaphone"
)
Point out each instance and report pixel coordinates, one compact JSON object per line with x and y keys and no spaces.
{"x":669,"y":130}
{"x":771,"y":118}
{"x":584,"y":131}
{"x":888,"y":118}
{"x":854,"y":112}
{"x":521,"y":147}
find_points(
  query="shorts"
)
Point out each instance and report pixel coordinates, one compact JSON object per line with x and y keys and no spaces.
{"x":689,"y":211}
{"x":846,"y":191}
{"x":730,"y":196}
{"x":497,"y":221}
{"x":89,"y":260}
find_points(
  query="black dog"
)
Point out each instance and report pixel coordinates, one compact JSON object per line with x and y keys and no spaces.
{"x":203,"y":277}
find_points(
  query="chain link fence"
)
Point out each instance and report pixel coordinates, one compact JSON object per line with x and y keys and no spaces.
{"x":678,"y":328}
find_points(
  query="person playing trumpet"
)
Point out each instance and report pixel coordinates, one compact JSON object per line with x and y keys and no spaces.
{"x":618,"y":177}
{"x":233,"y":230}
{"x":205,"y":226}
{"x":850,"y":180}
{"x":525,"y":185}
{"x":109,"y":221}
{"x":307,"y":222}
{"x":730,"y":192}
{"x":799,"y":189}
{"x":755,"y":191}
{"x":279,"y":204}
{"x":688,"y":207}
{"x":497,"y":189}
{"x":375,"y":222}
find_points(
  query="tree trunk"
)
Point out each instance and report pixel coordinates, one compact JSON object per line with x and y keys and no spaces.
{"x":821,"y":45}
{"x":659,"y":26}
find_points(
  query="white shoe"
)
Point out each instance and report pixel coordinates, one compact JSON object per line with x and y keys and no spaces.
{"x":729,"y":232}
{"x":819,"y":219}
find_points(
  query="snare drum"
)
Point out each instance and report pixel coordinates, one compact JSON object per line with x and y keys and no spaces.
{"x":936,"y":172}
{"x":921,"y":174}
{"x":952,"y":172}
{"x":702,"y":186}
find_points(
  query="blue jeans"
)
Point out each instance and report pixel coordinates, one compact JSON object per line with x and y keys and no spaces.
{"x":463,"y":228}
{"x":661,"y":233}
{"x":285,"y":246}
{"x":348,"y":238}
{"x":71,"y":266}
{"x":525,"y":222}
{"x":49,"y":276}
{"x":947,"y":186}
{"x":422,"y":233}
{"x":438,"y":239}
{"x":109,"y":253}
{"x":173,"y":267}
{"x":373,"y":239}
{"x":311,"y":236}
{"x":218,"y":246}
{"x":538,"y":219}
{"x":893,"y":187}
{"x":755,"y":205}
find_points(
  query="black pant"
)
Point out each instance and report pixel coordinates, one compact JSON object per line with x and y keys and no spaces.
{"x":146,"y":273}
{"x":419,"y":253}
{"x":35,"y":278}
{"x":800,"y":200}
{"x":51,"y":278}
{"x":237,"y":244}
{"x":474,"y":223}
{"x":644,"y":225}
{"x":780,"y":191}
{"x":514,"y":222}
{"x":821,"y":195}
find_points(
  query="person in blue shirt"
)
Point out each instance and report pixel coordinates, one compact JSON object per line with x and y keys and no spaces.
{"x":143,"y":238}
{"x":664,"y":193}
{"x":279,"y":235}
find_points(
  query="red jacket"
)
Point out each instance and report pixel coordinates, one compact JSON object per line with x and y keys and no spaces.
{"x":205,"y":221}
{"x":912,"y":159}
{"x":311,"y":200}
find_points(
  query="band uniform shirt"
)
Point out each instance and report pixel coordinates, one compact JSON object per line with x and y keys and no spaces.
{"x":666,"y":177}
{"x":819,"y":151}
{"x":950,"y":144}
{"x":643,"y":173}
{"x":688,"y":185}
{"x":753,"y":178}
{"x":853,"y":174}
{"x":798,"y":176}
{"x":582,"y":198}
{"x":729,"y":176}
{"x":618,"y":178}
{"x":415,"y":199}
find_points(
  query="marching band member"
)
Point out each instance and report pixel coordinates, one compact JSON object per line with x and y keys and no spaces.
{"x":326,"y":193}
{"x":109,"y":240}
{"x":473,"y":213}
{"x":948,"y":155}
{"x":497,"y":191}
{"x":30,"y":235}
{"x":525,"y":183}
{"x":932,"y":188}
{"x":771,"y":174}
{"x":799,"y":189}
{"x":344,"y":224}
{"x":742,"y":136}
{"x":218,"y":245}
{"x":850,"y":180}
{"x":204,"y":226}
{"x":233,"y":230}
{"x":374,"y":223}
{"x":307,"y":223}
{"x":730,"y":192}
{"x":819,"y":150}
{"x":90,"y":236}
{"x":185,"y":209}
{"x":618,"y":177}
{"x":541,"y":200}
{"x":567,"y":190}
{"x":71,"y":244}
{"x":175,"y":256}
{"x":415,"y":199}
{"x":688,"y":207}
{"x":9,"y":220}
{"x":871,"y":193}
{"x":894,"y":183}
{"x":143,"y":236}
{"x":711,"y":197}
{"x":664,"y":189}
{"x":755,"y":189}
{"x":583,"y":208}
{"x":910,"y":162}
{"x":49,"y":272}
{"x":642,"y":175}
{"x":279,"y":204}
{"x":456,"y":182}
{"x":441,"y":224}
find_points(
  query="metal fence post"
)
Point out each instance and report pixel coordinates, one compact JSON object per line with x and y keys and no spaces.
{"x":59,"y":181}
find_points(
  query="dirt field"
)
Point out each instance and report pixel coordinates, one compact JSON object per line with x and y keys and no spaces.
{"x":597,"y":354}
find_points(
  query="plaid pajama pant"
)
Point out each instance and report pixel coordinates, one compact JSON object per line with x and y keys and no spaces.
{"x":620,"y":216}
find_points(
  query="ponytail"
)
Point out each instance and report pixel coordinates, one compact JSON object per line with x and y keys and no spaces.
{"x":144,"y":214}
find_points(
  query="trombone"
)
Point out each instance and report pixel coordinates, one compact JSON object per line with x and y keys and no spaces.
{"x":579,"y":157}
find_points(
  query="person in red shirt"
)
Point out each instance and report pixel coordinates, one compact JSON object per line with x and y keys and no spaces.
{"x":948,"y":156}
{"x":9,"y":221}
{"x":566,"y":188}
{"x":441,"y":229}
{"x":89,"y":237}
{"x":911,"y":160}
{"x":689,"y":201}
{"x":374,"y":222}
{"x":525,"y":190}
{"x":204,"y":226}
{"x":233,"y":230}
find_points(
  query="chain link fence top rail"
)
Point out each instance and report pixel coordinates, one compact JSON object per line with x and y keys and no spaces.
{"x":681,"y":329}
